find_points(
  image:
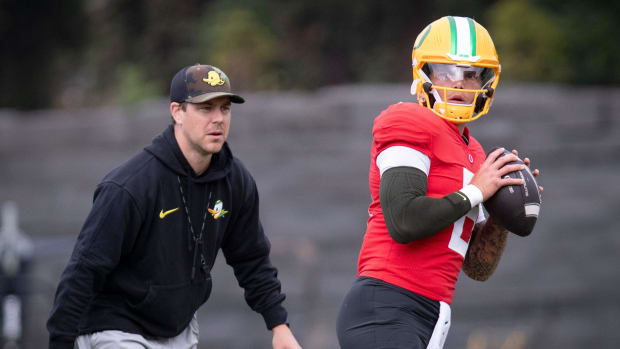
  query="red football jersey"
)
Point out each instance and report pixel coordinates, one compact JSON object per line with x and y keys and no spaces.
{"x":430,"y":266}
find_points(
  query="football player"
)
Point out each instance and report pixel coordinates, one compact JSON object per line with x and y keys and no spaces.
{"x":428,"y":178}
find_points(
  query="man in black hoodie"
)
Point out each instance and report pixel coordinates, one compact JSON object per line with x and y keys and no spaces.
{"x":141,"y":265}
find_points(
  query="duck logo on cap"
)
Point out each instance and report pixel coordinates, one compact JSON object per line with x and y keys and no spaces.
{"x":214,"y":79}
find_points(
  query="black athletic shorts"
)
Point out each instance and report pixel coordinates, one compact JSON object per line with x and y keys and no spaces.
{"x":376,"y":314}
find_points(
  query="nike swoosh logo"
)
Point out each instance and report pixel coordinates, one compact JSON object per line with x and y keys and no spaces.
{"x":461,"y":195}
{"x":163,"y":214}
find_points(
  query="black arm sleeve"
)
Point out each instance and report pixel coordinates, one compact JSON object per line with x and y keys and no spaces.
{"x":246,"y":249}
{"x":411,"y":215}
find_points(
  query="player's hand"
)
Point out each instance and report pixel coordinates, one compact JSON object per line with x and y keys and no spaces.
{"x":283,"y":338}
{"x":535,"y":172}
{"x":490,"y":176}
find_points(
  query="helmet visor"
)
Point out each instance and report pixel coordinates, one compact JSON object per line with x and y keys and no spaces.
{"x":471,"y":75}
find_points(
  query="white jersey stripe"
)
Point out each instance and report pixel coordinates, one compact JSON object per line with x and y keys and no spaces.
{"x":403,"y":156}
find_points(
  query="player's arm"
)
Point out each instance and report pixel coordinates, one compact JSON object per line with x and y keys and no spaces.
{"x":486,"y":247}
{"x":487,"y":244}
{"x":411,"y":215}
{"x":403,"y":159}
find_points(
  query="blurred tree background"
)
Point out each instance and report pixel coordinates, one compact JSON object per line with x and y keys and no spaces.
{"x":77,"y":53}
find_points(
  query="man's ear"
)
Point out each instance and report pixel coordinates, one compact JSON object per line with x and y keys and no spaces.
{"x":175,"y":112}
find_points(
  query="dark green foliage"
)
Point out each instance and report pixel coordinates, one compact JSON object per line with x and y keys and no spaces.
{"x":565,"y":41}
{"x":75,"y":53}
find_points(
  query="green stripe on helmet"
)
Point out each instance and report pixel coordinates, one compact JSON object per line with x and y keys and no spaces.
{"x":453,"y":35}
{"x":428,"y":29}
{"x":472,"y":35}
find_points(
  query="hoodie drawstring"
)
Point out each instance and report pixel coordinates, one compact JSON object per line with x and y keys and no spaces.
{"x":198,"y":239}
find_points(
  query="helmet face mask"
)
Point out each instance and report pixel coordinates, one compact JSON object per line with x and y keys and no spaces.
{"x":455,"y":69}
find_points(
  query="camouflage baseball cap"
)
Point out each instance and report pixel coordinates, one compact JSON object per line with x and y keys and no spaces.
{"x":200,"y":83}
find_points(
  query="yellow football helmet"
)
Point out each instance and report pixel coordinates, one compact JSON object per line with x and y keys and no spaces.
{"x":455,"y":69}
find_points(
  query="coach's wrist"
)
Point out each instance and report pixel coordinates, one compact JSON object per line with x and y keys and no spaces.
{"x":61,"y":342}
{"x":274,"y":316}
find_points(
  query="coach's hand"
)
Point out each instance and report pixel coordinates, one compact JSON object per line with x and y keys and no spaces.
{"x":283,"y":338}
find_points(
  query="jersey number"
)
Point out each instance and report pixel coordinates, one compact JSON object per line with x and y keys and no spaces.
{"x":462,"y":228}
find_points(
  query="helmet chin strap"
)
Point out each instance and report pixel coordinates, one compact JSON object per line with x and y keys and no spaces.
{"x":427,"y":87}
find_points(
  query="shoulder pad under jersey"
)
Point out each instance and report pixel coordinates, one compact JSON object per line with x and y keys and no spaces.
{"x":406,"y":124}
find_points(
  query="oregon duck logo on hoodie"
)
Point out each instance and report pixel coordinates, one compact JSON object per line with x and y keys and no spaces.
{"x":217,"y":210}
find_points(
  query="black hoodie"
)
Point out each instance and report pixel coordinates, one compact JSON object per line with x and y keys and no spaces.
{"x":139,"y":267}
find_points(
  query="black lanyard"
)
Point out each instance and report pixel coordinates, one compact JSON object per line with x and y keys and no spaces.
{"x":198,"y":239}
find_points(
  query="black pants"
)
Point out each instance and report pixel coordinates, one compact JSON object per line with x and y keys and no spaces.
{"x":376,"y":314}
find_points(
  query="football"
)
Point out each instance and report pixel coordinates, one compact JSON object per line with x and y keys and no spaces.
{"x":516,"y":207}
